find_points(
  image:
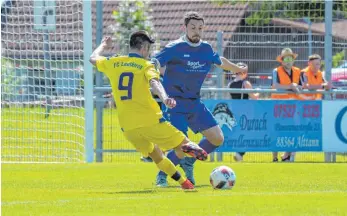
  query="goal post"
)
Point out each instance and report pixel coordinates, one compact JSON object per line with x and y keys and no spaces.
{"x":88,"y":82}
{"x":46,"y":81}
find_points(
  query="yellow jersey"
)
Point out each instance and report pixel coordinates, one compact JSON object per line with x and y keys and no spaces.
{"x":129,"y":77}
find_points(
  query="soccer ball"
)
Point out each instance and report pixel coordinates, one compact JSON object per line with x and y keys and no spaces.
{"x":222,"y":177}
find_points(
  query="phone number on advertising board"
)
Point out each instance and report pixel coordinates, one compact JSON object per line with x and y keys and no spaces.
{"x":291,"y":111}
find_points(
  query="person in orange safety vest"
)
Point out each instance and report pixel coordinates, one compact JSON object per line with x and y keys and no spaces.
{"x":312,"y":78}
{"x":287,"y":77}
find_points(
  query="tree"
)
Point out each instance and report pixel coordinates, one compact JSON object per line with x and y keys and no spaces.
{"x":10,"y":81}
{"x":338,"y":58}
{"x":131,"y":16}
{"x":264,"y":11}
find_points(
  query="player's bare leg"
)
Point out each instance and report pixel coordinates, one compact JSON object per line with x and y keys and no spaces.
{"x":292,"y":156}
{"x":213,"y":138}
{"x":288,"y":156}
{"x":238,"y":157}
{"x":165,"y":165}
{"x":285,"y":156}
{"x":214,"y":135}
{"x":274,"y":156}
{"x":177,"y":154}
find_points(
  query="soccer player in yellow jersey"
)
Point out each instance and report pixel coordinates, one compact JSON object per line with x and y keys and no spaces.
{"x":140,"y":117}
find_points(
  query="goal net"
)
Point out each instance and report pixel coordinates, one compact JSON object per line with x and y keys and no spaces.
{"x":42,"y":115}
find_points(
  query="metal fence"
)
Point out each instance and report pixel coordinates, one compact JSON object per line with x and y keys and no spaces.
{"x":243,"y":38}
{"x":116,"y":148}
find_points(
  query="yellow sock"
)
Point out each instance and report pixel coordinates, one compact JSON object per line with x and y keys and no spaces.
{"x":169,"y":168}
{"x":181,"y":180}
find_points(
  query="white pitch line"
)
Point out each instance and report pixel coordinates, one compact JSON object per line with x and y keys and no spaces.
{"x":279,"y":193}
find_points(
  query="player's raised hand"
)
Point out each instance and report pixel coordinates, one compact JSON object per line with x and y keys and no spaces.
{"x":170,"y":103}
{"x":107,"y":41}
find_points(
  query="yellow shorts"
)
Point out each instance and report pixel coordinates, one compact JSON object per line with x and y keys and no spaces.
{"x":164,"y":135}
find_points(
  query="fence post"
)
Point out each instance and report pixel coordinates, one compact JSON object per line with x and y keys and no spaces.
{"x":88,"y":82}
{"x":220,"y":78}
{"x":212,"y":156}
{"x":328,"y":56}
{"x":99,"y":83}
{"x":219,"y":71}
{"x":47,"y":63}
{"x":309,"y":23}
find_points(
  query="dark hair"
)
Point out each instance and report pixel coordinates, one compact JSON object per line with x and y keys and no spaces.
{"x":192,"y":15}
{"x":138,"y":38}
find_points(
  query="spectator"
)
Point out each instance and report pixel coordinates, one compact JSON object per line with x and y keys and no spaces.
{"x":241,"y":82}
{"x":312,"y":78}
{"x":287,"y":77}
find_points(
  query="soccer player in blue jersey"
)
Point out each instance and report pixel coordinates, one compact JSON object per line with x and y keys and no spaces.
{"x":187,"y":62}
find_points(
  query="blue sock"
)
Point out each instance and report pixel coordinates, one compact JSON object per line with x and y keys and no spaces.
{"x":173,"y":158}
{"x":206,"y":145}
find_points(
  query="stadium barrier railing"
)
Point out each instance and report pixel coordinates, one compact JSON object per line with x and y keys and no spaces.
{"x":329,"y":96}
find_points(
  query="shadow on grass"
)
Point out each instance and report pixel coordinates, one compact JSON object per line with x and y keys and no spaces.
{"x":132,"y":192}
{"x":196,"y":186}
{"x":154,"y":190}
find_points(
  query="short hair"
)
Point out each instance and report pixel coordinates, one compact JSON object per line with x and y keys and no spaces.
{"x":138,"y":38}
{"x":192,"y":15}
{"x":314,"y":57}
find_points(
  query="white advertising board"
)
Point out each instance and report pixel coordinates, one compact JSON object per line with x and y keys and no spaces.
{"x":334,"y":123}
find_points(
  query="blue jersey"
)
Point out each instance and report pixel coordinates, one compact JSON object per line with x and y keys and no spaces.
{"x":187,"y":65}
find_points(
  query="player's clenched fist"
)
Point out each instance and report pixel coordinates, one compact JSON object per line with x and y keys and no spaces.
{"x":170,"y":102}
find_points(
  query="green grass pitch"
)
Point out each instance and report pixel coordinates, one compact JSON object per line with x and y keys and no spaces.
{"x":127,"y":189}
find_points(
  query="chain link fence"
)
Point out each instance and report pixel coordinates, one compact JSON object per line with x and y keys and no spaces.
{"x":254,"y":33}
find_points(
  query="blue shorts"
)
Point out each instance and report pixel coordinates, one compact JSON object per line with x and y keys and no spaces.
{"x":190,"y":113}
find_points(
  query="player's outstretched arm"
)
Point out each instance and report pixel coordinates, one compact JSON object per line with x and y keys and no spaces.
{"x":229,"y":66}
{"x":106,"y":42}
{"x":158,"y":89}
